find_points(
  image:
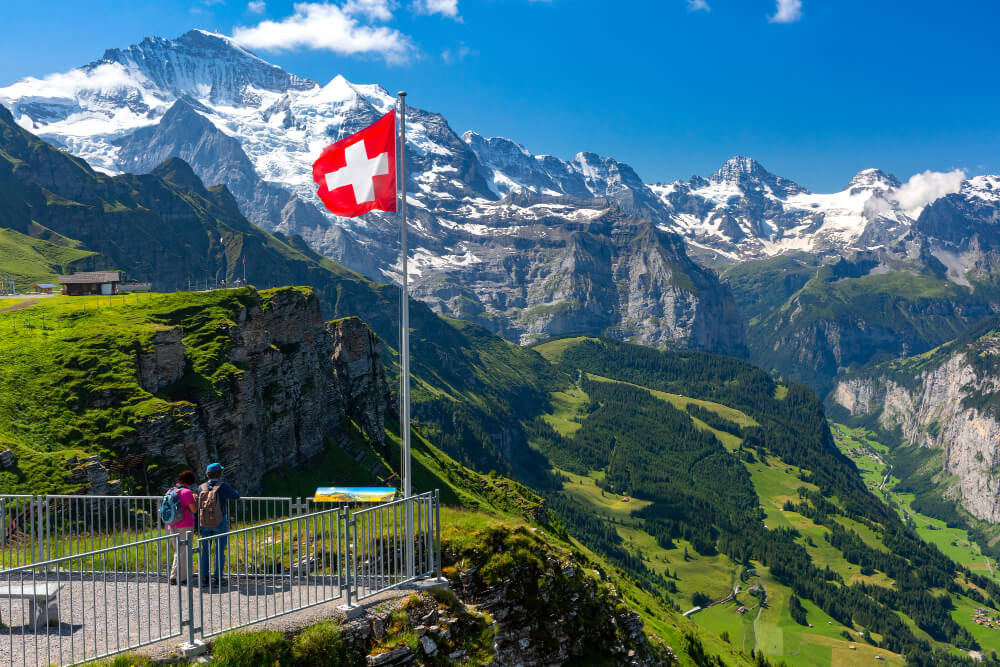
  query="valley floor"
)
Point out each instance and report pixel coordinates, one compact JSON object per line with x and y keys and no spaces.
{"x":870,"y":457}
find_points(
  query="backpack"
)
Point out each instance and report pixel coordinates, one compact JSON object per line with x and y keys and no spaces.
{"x":209,"y":506}
{"x":171,"y":511}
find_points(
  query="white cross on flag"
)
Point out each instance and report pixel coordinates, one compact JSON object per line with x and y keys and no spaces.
{"x":358,"y":174}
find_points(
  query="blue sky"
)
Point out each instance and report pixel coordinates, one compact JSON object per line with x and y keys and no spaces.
{"x":815,"y":90}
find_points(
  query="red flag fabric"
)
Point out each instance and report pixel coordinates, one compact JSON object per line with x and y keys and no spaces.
{"x":358,"y":174}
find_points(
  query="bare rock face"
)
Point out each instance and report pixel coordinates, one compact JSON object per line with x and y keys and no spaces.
{"x":359,"y":375}
{"x":933,"y":410}
{"x":292,"y":381}
{"x":95,"y":476}
{"x":162,"y":362}
{"x":611,"y":274}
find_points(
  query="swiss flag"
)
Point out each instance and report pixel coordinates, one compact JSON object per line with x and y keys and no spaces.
{"x":358,"y":174}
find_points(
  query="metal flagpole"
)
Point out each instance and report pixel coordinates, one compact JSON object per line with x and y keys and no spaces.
{"x":404,"y":340}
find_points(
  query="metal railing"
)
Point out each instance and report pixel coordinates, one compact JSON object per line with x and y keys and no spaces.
{"x":269,"y":570}
{"x":378,"y":555}
{"x":38,"y":528}
{"x":120,"y":597}
{"x":88,"y":606}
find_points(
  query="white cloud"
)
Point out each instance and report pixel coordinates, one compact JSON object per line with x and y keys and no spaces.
{"x":787,"y":11}
{"x":922,"y":189}
{"x":442,"y":7}
{"x":925,"y":187}
{"x":373,"y":10}
{"x":332,"y":28}
{"x":69,"y":85}
{"x":257,"y":6}
{"x":698,"y":6}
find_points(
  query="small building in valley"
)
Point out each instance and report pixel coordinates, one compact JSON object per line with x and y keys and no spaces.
{"x":44,"y":288}
{"x":90,"y":282}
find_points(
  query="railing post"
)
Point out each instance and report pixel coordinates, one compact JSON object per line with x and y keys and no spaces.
{"x":350,"y":609}
{"x":192,"y":646}
{"x":411,"y":538}
{"x":39,"y":540}
{"x":300,"y":506}
{"x":437,"y":532}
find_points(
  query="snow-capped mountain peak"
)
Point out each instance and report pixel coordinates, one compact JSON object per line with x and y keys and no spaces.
{"x":874,"y":181}
{"x":736,"y":169}
{"x":510,"y":167}
{"x":746,"y":172}
{"x":203,"y":64}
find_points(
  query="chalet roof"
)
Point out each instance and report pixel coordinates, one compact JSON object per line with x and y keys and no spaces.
{"x":45,"y":285}
{"x":89,"y":277}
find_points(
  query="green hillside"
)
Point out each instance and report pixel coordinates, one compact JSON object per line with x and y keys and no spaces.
{"x":732,"y":480}
{"x":28,"y":260}
{"x":68,"y":388}
{"x":808,"y":322}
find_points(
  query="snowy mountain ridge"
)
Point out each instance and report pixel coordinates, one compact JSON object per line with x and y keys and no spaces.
{"x":283,"y":121}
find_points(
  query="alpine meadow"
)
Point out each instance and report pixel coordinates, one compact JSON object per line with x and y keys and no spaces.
{"x":294,"y":372}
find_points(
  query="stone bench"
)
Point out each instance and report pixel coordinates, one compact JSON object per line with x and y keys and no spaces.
{"x":43,"y":604}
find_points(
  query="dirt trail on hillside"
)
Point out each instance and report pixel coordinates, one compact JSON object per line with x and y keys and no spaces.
{"x":18,"y":306}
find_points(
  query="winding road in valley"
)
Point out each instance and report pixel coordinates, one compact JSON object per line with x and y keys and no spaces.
{"x":760,"y":610}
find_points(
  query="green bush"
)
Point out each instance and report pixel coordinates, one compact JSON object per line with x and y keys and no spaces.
{"x":251,"y":649}
{"x":323,"y":645}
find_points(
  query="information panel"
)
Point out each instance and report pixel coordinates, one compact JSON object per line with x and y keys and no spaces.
{"x":354,"y":494}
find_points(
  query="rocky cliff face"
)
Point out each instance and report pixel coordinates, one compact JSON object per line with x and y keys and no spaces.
{"x":547,"y":609}
{"x":937,"y":407}
{"x":294,"y":379}
{"x":608,"y":273}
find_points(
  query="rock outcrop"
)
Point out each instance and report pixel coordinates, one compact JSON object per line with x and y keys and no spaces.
{"x":291,"y":381}
{"x":359,"y":375}
{"x":162,"y":362}
{"x":547,"y":608}
{"x":940,"y":404}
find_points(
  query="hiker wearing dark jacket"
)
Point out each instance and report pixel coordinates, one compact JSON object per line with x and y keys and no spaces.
{"x":213,"y":496}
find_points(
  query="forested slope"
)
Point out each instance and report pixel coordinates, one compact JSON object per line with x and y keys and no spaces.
{"x":768,"y":492}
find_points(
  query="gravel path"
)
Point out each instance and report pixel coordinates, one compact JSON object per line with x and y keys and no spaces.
{"x":110,"y":613}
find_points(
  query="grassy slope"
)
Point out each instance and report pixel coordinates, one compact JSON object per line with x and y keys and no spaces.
{"x":779,"y":637}
{"x":55,"y":361}
{"x":70,"y":388}
{"x":87,"y":348}
{"x":29,"y":260}
{"x":477,"y":503}
{"x":761,"y":286}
